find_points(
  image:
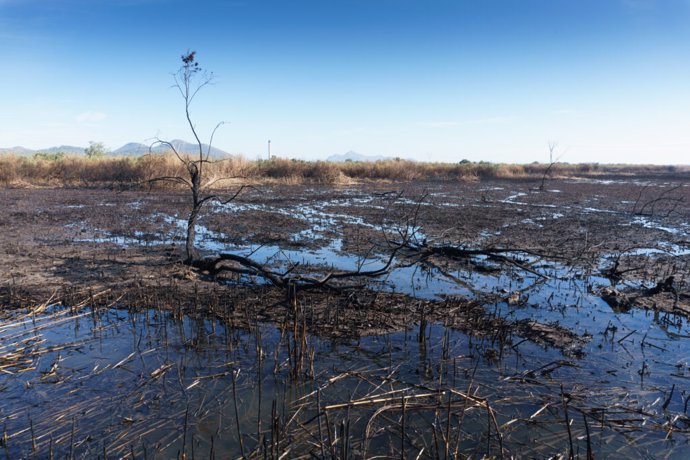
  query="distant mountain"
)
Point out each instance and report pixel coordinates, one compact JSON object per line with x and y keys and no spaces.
{"x":354,"y":156}
{"x":137,"y":149}
{"x":68,"y":149}
{"x":130,"y":149}
{"x":17,"y":151}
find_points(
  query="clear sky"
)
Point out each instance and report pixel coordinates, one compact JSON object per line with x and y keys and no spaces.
{"x":433,"y":80}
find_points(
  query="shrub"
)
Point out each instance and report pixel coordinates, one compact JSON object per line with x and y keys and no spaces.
{"x":51,"y":169}
{"x":8,"y":169}
{"x":324,"y":173}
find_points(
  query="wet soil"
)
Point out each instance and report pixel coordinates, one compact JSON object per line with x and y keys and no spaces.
{"x":61,"y":244}
{"x":565,"y":310}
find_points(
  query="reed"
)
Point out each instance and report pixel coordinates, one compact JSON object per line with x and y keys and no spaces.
{"x":80,"y":171}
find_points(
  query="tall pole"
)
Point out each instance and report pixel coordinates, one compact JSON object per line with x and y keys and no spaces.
{"x":269,"y":149}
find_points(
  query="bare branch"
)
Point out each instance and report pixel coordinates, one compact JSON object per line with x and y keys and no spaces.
{"x":552,"y":147}
{"x":170,"y":146}
{"x":207,"y":80}
{"x":218,"y":179}
{"x":177,"y":179}
{"x":663,"y":197}
{"x":210,"y":142}
{"x":237,"y":194}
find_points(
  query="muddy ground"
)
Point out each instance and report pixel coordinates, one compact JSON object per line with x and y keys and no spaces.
{"x":524,"y":322}
{"x":125,"y":247}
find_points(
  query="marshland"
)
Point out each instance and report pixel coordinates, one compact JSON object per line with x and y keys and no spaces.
{"x":498,"y":267}
{"x":489,"y":315}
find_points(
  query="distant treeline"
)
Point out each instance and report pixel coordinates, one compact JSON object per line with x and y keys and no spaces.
{"x":67,"y":170}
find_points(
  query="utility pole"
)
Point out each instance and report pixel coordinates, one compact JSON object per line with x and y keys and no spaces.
{"x":269,"y":149}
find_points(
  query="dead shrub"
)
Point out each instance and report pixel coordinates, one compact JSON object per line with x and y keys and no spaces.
{"x":8,"y":169}
{"x":324,"y":173}
{"x":509,"y":170}
{"x":159,"y":166}
{"x":281,"y":168}
{"x":397,"y":169}
{"x":234,"y":167}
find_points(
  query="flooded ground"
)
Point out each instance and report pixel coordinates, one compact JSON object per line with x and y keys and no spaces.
{"x":573,"y":339}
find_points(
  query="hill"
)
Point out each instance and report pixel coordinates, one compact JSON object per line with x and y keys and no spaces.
{"x":354,"y":156}
{"x":138,"y":149}
{"x":22,"y":151}
{"x":129,"y":149}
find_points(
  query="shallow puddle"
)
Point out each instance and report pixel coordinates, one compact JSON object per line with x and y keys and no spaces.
{"x":118,"y":383}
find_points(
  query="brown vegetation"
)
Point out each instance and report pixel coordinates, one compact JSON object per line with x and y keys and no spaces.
{"x":61,"y":170}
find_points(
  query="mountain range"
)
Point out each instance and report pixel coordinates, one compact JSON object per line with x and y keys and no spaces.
{"x":354,"y":156}
{"x":134,"y":149}
{"x":22,"y":151}
{"x":129,"y":149}
{"x":137,"y":149}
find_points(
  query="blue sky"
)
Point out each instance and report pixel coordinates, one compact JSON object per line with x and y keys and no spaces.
{"x":431,"y":80}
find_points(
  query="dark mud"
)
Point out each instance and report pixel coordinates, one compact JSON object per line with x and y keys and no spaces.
{"x":585,"y":309}
{"x":618,"y":237}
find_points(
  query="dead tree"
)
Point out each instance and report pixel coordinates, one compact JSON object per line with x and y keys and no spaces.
{"x":190,"y":78}
{"x":552,"y":163}
{"x":401,"y":243}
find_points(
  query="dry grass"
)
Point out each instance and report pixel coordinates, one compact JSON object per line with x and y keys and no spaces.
{"x":58,"y":170}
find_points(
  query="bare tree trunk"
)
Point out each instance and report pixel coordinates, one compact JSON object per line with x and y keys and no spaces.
{"x":192,"y":253}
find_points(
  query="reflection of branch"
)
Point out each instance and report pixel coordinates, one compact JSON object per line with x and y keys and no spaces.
{"x":431,"y":265}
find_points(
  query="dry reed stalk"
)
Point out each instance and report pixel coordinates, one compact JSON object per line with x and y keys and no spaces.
{"x":402,"y":428}
{"x":318,"y":414}
{"x":377,"y":400}
{"x":237,"y":415}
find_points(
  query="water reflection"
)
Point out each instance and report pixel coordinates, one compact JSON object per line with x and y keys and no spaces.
{"x":116,"y":383}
